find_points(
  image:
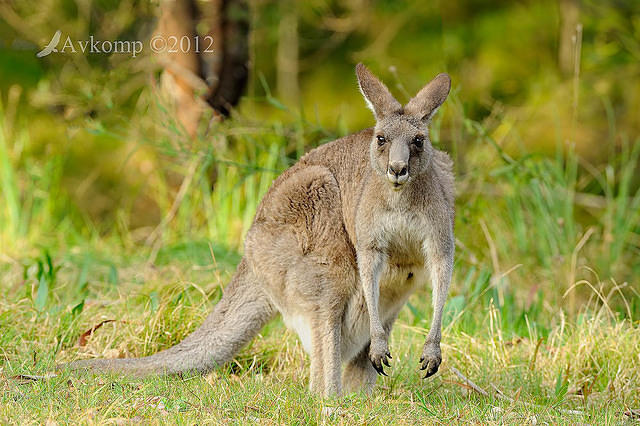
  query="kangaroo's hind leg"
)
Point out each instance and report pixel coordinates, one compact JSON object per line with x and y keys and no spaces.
{"x":326,"y":359}
{"x":359,"y":374}
{"x":322,"y":287}
{"x":316,"y":378}
{"x":299,"y":247}
{"x":332,"y":357}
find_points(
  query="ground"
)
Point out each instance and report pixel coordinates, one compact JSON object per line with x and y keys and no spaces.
{"x":578,"y":373}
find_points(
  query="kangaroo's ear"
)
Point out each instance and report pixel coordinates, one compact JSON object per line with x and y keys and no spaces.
{"x":379,"y":99}
{"x":428,"y":100}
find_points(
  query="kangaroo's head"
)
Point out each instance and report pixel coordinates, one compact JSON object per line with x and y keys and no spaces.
{"x":400,"y":148}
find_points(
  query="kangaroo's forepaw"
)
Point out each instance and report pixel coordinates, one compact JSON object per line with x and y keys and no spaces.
{"x":430,"y":359}
{"x":379,"y":355}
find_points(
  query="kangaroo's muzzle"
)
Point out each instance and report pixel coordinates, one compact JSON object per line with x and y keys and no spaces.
{"x":398,"y":173}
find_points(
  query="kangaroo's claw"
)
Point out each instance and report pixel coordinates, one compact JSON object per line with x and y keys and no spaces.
{"x":378,"y":355}
{"x":430,"y":359}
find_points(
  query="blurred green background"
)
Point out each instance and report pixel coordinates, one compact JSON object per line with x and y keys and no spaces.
{"x":124,"y":204}
{"x":543,"y":124}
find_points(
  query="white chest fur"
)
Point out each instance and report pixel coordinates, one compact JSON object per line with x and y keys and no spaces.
{"x":403,"y":237}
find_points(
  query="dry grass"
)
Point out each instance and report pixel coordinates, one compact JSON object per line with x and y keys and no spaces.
{"x":582,"y":371}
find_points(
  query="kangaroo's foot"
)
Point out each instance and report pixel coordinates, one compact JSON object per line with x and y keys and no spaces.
{"x":379,"y":355}
{"x":359,"y":374}
{"x":430,"y":359}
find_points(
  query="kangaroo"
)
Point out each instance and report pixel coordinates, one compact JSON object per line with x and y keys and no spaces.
{"x":338,"y":244}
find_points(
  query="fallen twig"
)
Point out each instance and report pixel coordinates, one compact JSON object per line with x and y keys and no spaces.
{"x":469,"y":382}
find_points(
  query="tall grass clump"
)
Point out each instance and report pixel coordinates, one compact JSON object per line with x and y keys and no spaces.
{"x":34,"y":203}
{"x":535,"y":229}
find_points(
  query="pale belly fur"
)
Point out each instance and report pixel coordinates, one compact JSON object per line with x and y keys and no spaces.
{"x":395,"y":289}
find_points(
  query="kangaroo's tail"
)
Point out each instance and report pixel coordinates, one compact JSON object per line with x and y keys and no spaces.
{"x":241,"y":313}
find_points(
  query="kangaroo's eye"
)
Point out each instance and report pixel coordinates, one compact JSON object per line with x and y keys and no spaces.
{"x":381,"y":140}
{"x":418,"y":141}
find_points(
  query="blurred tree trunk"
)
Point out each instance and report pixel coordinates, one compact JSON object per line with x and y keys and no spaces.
{"x":569,"y":17}
{"x":182,"y":77}
{"x":233,"y":73}
{"x":196,"y":79}
{"x":287,"y":55}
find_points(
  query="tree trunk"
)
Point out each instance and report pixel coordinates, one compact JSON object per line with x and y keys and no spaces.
{"x":234,"y":71}
{"x":197,"y":79}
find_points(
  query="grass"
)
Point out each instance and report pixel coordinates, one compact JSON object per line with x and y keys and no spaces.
{"x":578,"y":373}
{"x":544,"y":304}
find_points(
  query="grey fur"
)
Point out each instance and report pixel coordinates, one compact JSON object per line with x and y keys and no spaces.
{"x":338,"y":244}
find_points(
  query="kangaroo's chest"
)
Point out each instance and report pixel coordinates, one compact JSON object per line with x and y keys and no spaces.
{"x":397,"y":283}
{"x":402,"y":237}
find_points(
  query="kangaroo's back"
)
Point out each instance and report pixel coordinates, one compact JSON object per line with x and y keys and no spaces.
{"x":347,"y":160}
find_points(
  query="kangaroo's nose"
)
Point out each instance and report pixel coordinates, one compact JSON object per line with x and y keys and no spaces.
{"x":398,"y":168}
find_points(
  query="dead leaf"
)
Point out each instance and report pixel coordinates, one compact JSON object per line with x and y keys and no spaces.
{"x":28,"y":378}
{"x":633,"y":413}
{"x":82,"y":340}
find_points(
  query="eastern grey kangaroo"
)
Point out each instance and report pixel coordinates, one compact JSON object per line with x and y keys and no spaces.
{"x":338,"y":244}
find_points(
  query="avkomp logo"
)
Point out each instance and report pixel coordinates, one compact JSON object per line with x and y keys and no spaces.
{"x":52,"y":46}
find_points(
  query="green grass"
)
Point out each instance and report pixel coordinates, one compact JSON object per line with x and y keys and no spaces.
{"x":544,"y":304}
{"x":589,"y":366}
